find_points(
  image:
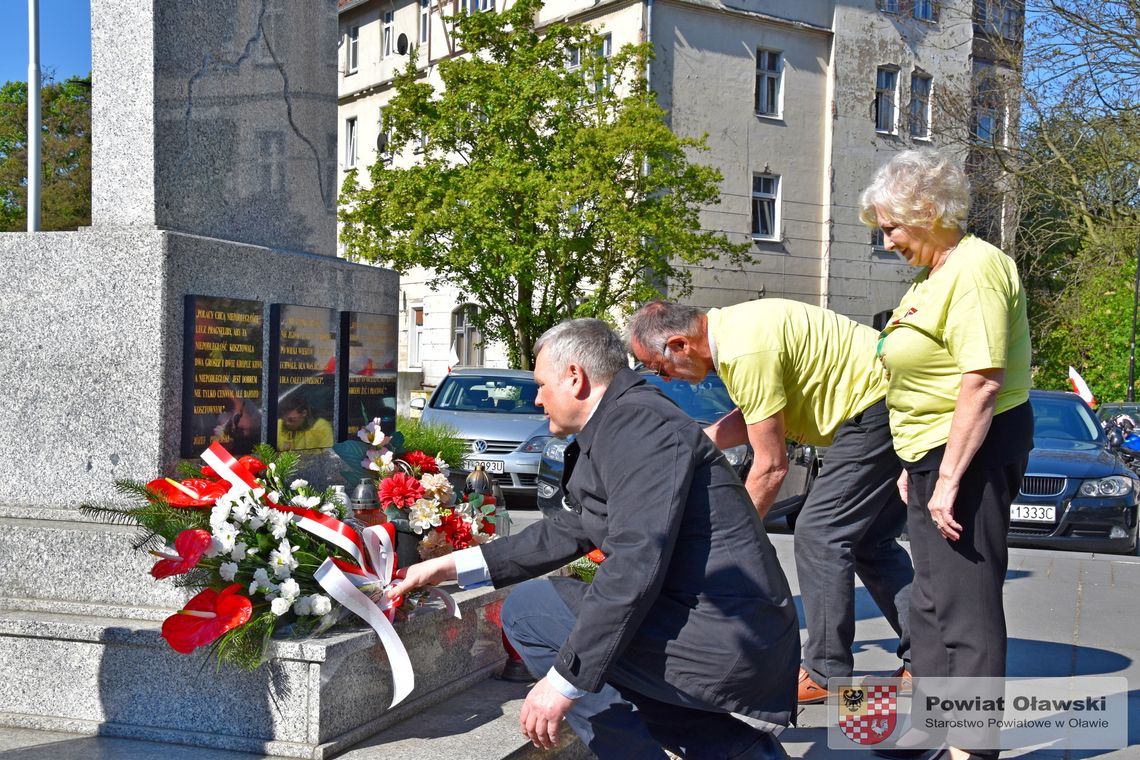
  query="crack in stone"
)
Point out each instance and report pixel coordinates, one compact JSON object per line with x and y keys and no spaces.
{"x":209,"y":65}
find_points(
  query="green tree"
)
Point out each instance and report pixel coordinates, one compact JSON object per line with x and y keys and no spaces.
{"x":65,"y":154}
{"x":545,"y":189}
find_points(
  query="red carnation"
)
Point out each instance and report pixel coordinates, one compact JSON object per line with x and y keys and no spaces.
{"x":400,"y":490}
{"x":425,"y":463}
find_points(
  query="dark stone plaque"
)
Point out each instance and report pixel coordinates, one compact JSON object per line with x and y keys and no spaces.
{"x":221,"y":382}
{"x":372,"y":346}
{"x":302,"y":376}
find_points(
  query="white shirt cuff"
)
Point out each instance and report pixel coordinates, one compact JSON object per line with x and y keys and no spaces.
{"x":471,"y":569}
{"x":564,"y":687}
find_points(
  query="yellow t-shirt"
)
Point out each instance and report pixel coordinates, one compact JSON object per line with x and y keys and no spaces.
{"x":817,"y":366}
{"x":319,"y":435}
{"x":967,"y":316}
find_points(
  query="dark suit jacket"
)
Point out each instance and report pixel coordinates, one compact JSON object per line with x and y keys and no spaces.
{"x":691,"y":591}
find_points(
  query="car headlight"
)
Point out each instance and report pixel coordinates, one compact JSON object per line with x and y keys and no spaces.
{"x":1116,"y":485}
{"x":535,"y":445}
{"x":555,"y":448}
{"x":736,"y":454}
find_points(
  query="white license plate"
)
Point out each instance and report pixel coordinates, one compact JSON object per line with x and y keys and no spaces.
{"x":490,"y":465}
{"x":1032,"y":513}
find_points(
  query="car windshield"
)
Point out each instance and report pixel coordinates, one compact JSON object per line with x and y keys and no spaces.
{"x":1107,"y":411}
{"x":706,"y":401}
{"x":1063,"y":418}
{"x":481,"y":393}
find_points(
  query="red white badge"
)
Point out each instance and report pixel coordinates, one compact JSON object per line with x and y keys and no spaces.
{"x":867,"y":713}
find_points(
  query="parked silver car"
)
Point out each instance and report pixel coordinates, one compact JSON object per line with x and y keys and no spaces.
{"x":494,"y":412}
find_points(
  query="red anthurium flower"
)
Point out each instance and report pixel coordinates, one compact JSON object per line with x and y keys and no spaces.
{"x":205,"y":618}
{"x":208,"y":472}
{"x":596,"y":556}
{"x":189,"y":493}
{"x":425,"y":462}
{"x":400,"y":490}
{"x":189,"y":547}
{"x":253,"y":464}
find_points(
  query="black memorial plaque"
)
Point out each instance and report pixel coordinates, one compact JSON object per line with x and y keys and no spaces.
{"x":373,"y":341}
{"x":302,"y":379}
{"x":221,"y":383}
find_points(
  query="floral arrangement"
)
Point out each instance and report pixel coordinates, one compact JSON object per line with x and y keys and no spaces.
{"x":586,"y":567}
{"x":250,"y":561}
{"x":417,"y":496}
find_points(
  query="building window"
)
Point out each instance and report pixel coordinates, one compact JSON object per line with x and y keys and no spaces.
{"x":484,"y":5}
{"x":352,"y":50}
{"x":604,"y":51}
{"x":467,"y":343}
{"x":386,"y":41}
{"x":878,"y":241}
{"x":889,"y":6}
{"x":769,"y":74}
{"x":350,"y":143}
{"x":573,"y":58}
{"x":271,"y":163}
{"x":415,"y":336}
{"x":924,"y":10}
{"x":998,"y":18}
{"x":765,"y":206}
{"x":425,"y":19}
{"x":886,"y":95}
{"x":989,"y":107}
{"x":920,"y":86}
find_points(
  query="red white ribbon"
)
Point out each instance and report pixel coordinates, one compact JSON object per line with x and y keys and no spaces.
{"x":375,"y":565}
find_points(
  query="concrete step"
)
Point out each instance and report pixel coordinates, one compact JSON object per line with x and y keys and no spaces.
{"x":480,"y":723}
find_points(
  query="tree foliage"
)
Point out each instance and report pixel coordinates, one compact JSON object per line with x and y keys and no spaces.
{"x":1067,"y":173}
{"x":65,"y":155}
{"x":544,"y":190}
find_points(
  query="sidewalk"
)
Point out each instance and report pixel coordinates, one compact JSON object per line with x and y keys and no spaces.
{"x":1068,"y":614}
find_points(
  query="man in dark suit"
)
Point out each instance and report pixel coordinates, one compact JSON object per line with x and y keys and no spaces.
{"x":687,"y":638}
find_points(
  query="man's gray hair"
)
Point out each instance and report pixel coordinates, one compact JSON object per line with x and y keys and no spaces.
{"x":589,"y":343}
{"x":657,"y":321}
{"x":918,"y":188}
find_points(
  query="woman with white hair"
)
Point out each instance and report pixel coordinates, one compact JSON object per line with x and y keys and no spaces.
{"x":957,"y":353}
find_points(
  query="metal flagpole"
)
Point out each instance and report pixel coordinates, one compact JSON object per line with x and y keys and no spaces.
{"x":33,"y":207}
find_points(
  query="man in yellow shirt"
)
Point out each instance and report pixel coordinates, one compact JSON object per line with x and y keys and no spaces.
{"x":801,"y":372}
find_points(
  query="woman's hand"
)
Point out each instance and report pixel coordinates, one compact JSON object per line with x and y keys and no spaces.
{"x":941,"y":508}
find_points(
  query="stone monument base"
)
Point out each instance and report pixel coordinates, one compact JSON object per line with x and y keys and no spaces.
{"x":112,"y":676}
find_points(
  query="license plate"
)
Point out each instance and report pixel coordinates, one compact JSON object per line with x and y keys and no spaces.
{"x":1032,"y":513}
{"x":490,"y":465}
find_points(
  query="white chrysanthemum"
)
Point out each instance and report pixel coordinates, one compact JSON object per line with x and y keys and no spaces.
{"x":282,"y":561}
{"x":240,"y":551}
{"x":329,"y":508}
{"x":305,"y":502}
{"x":444,"y":468}
{"x":220,"y":513}
{"x":289,"y":589}
{"x":322,"y":605}
{"x":303,"y":605}
{"x":274,"y":496}
{"x":298,"y":484}
{"x":261,"y":582}
{"x":438,"y":487}
{"x":278,"y":523}
{"x":225,"y":536}
{"x":240,"y":511}
{"x":260,"y":516}
{"x":228,"y":570}
{"x":423,"y":514}
{"x":280,"y":606}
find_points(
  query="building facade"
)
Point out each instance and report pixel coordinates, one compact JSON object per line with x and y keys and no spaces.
{"x":800,"y":100}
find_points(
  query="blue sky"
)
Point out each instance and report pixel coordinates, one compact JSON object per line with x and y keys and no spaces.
{"x":65,"y":39}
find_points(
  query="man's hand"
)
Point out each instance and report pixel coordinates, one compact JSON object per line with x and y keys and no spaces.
{"x":904,"y":486}
{"x":431,"y":572}
{"x":542,"y":714}
{"x":769,"y":461}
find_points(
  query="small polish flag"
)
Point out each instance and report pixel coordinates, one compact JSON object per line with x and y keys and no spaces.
{"x":1081,"y":388}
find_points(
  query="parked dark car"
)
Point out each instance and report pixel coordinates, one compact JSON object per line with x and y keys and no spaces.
{"x":1077,"y":493}
{"x":706,"y":402}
